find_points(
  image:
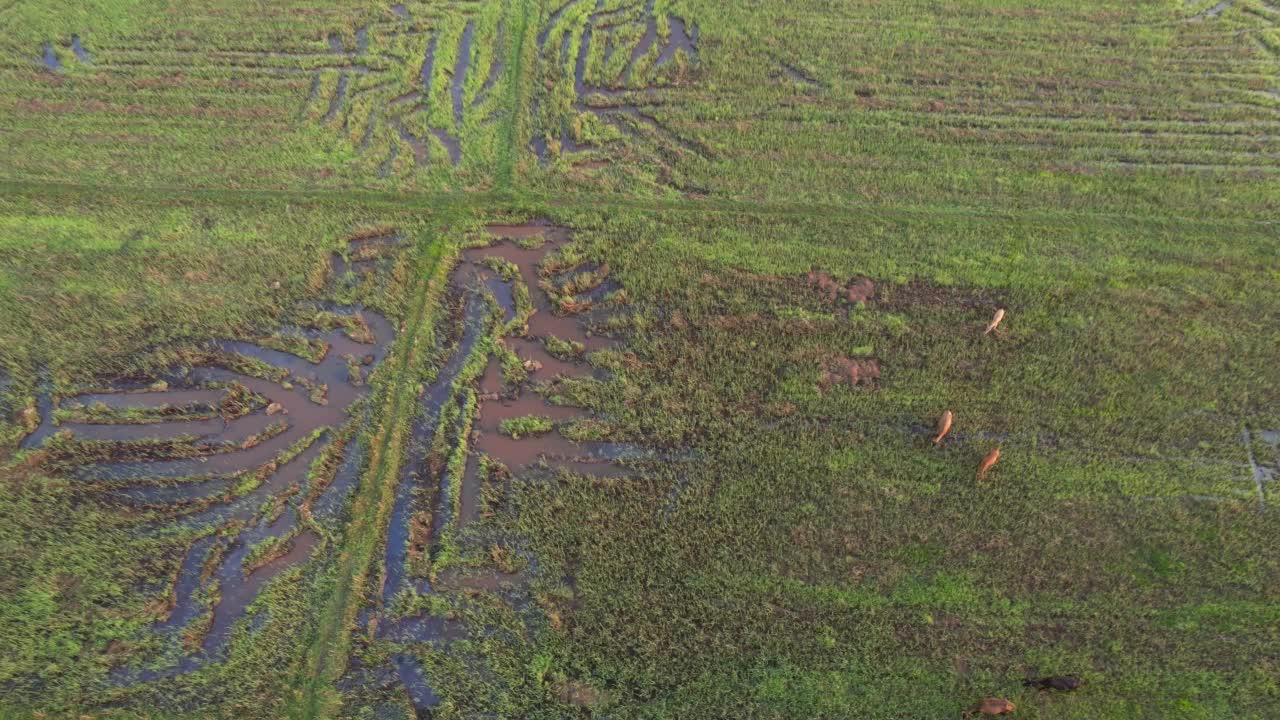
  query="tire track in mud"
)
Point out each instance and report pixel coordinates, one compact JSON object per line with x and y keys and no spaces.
{"x":394,"y":114}
{"x":357,"y":87}
{"x":629,"y":110}
{"x":514,"y":302}
{"x":244,"y":447}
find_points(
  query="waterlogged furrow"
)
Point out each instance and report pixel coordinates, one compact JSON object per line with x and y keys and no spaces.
{"x":360,"y":89}
{"x":616,"y":102}
{"x":395,"y":117}
{"x":221,"y":456}
{"x":438,"y":498}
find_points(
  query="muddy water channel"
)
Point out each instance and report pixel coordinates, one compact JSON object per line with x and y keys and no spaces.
{"x":236,"y":461}
{"x":516,"y":302}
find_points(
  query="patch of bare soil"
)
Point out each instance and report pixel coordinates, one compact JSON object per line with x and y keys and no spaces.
{"x":919,"y":294}
{"x":859,"y":290}
{"x":850,"y":371}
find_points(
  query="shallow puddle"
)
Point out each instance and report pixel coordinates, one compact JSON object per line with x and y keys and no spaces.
{"x":450,"y":143}
{"x":428,"y":66}
{"x":236,"y":589}
{"x":330,"y":506}
{"x":50,"y":58}
{"x":427,"y":485}
{"x":678,"y":41}
{"x":335,"y":103}
{"x":421,"y":153}
{"x":413,"y":469}
{"x":209,"y":399}
{"x":502,"y":293}
{"x":548,"y":365}
{"x":554,"y":20}
{"x":539,"y":147}
{"x":415,"y":683}
{"x":646,"y":41}
{"x":78,"y":49}
{"x":460,"y":68}
{"x":469,"y":492}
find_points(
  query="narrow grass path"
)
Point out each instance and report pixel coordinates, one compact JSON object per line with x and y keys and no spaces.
{"x":326,"y":658}
{"x":357,"y":563}
{"x":518,"y":91}
{"x":377,"y":200}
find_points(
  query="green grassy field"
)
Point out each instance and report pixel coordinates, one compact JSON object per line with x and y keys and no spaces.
{"x":261,"y":429}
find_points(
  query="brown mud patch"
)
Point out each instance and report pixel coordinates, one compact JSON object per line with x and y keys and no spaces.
{"x":859,"y":290}
{"x":850,"y":371}
{"x":537,"y":270}
{"x":919,"y":294}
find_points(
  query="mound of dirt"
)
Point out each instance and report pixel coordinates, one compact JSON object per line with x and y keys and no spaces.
{"x":856,"y":291}
{"x":854,"y":371}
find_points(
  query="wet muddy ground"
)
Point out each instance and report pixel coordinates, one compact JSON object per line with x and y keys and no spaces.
{"x":396,"y":116}
{"x":227,"y":454}
{"x":471,"y":406}
{"x":360,"y":89}
{"x":359,"y":86}
{"x":618,"y":103}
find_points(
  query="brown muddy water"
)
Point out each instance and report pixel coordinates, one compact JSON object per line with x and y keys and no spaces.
{"x":229,"y":476}
{"x":429,"y":489}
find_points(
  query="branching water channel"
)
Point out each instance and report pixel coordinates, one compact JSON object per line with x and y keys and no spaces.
{"x":243,"y":454}
{"x":242,"y":457}
{"x":459,"y":438}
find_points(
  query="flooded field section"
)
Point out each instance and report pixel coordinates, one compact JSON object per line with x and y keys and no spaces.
{"x":525,"y":315}
{"x":242,"y":455}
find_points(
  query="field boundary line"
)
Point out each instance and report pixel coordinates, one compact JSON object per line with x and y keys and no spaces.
{"x":394,"y":201}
